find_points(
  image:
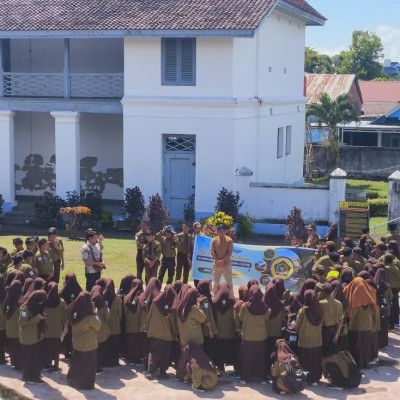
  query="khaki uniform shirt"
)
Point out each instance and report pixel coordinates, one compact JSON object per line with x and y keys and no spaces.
{"x":132,"y":320}
{"x":361,"y":319}
{"x":151,"y":251}
{"x":274,"y":325}
{"x":44,"y":263}
{"x":190,"y":330}
{"x":206,"y":307}
{"x":184,"y":243}
{"x":104,"y":332}
{"x":225,"y":324}
{"x":57,"y":251}
{"x":140,"y":238}
{"x":254,"y":327}
{"x":160,"y":327}
{"x":12,"y":326}
{"x":355,"y":265}
{"x":115,"y":316}
{"x":168,"y":246}
{"x":28,"y":271}
{"x":56,"y":320}
{"x":333,"y":311}
{"x":222,"y":248}
{"x":28,"y":327}
{"x":310,"y":336}
{"x":393,"y":275}
{"x":326,"y":262}
{"x":5,"y":263}
{"x":393,"y":236}
{"x":84,"y":333}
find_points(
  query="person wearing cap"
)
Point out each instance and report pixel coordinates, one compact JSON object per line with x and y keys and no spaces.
{"x":19,"y":246}
{"x":183,"y":258}
{"x":348,"y":260}
{"x":168,"y":241}
{"x":318,"y":273}
{"x":196,"y":232}
{"x":312,"y":241}
{"x":379,"y":250}
{"x":140,"y":238}
{"x":26,"y":267}
{"x":393,"y":276}
{"x":92,"y":257}
{"x":357,"y":255}
{"x":17,"y":264}
{"x":5,"y":260}
{"x":320,"y":251}
{"x":329,"y":247}
{"x":393,"y":235}
{"x":43,"y":261}
{"x":30,"y":244}
{"x":365,"y":231}
{"x":56,"y":251}
{"x":312,"y":230}
{"x":151,"y":256}
{"x":221,"y":251}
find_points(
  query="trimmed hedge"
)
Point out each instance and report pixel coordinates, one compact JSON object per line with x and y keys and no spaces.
{"x":378,"y":207}
{"x":372,"y":195}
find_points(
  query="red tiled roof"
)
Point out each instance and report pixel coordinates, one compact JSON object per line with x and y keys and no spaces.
{"x":377,"y":108}
{"x":377,"y":91}
{"x":51,"y":15}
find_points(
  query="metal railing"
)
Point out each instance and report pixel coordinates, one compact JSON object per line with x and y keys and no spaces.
{"x":374,"y":230}
{"x":77,"y":85}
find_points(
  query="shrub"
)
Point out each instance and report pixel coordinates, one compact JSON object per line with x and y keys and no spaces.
{"x":245,"y":225}
{"x":157,"y":213}
{"x":372,"y":195}
{"x":47,"y":209}
{"x":75,"y":218}
{"x":229,"y":203}
{"x":94,"y":201}
{"x":133,"y":208}
{"x":73,"y":199}
{"x":210,"y":225}
{"x":189,"y":210}
{"x":378,"y":207}
{"x":296,"y":227}
{"x":1,"y":204}
{"x":106,"y":221}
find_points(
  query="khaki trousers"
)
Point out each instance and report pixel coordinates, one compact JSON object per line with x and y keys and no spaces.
{"x":226,"y":271}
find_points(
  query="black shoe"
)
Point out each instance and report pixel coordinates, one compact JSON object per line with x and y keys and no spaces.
{"x":99,"y":371}
{"x":37,"y":381}
{"x":55,"y":370}
{"x":162,"y":375}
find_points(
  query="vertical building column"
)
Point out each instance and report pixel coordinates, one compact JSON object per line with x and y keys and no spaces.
{"x":379,"y":139}
{"x":394,"y":197}
{"x":7,"y":176}
{"x":337,"y":193}
{"x":67,"y":135}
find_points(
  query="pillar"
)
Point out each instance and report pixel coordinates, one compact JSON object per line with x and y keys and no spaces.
{"x":67,"y":135}
{"x":7,"y":176}
{"x":379,"y":139}
{"x":394,"y":197}
{"x":337,"y":193}
{"x":242,"y":185}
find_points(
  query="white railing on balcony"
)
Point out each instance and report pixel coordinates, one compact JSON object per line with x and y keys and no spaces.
{"x":82,"y":85}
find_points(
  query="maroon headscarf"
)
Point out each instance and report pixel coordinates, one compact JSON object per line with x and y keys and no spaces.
{"x":152,"y":290}
{"x":280,"y":287}
{"x":11,"y":302}
{"x":313,"y":308}
{"x":255,"y":305}
{"x":284,"y":353}
{"x":183,"y":290}
{"x":251,"y":283}
{"x":71,"y":289}
{"x":109,"y":292}
{"x":242,"y":296}
{"x":346,"y":276}
{"x":337,"y":293}
{"x":35,"y":305}
{"x":223,"y":300}
{"x":38,"y":284}
{"x":101,"y":282}
{"x":332,"y":234}
{"x":177,"y":285}
{"x":370,"y":268}
{"x":3,"y":292}
{"x":27,"y":285}
{"x":96,"y":297}
{"x":197,"y":358}
{"x":188,"y":301}
{"x":364,"y":274}
{"x":204,"y":290}
{"x":80,"y":308}
{"x":15,"y":274}
{"x":381,"y":281}
{"x":167,"y":301}
{"x":53,"y":298}
{"x":348,"y":242}
{"x":298,"y":299}
{"x":131,"y":300}
{"x":126,"y":284}
{"x":271,"y":299}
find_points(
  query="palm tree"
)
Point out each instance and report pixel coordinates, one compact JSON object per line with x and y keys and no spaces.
{"x":328,"y":113}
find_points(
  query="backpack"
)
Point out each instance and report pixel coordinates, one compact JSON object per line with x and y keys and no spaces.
{"x":294,"y":378}
{"x":291,"y":336}
{"x":383,"y":307}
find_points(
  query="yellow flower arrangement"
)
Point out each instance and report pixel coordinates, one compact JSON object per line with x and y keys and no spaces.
{"x":221,"y":218}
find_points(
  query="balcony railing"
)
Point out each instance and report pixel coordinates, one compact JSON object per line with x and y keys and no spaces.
{"x":73,"y":85}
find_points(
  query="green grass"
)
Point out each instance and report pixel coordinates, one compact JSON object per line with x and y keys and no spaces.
{"x":380,"y":187}
{"x":382,"y":230}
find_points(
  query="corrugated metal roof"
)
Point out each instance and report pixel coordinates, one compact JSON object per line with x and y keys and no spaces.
{"x":377,"y":91}
{"x":332,"y":84}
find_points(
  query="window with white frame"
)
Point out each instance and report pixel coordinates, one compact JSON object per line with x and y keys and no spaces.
{"x":279,"y":152}
{"x":288,"y":140}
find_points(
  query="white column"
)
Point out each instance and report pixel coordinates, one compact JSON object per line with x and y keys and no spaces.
{"x":7,"y":178}
{"x":67,"y":152}
{"x":337,"y":193}
{"x":394,"y":196}
{"x":379,"y":142}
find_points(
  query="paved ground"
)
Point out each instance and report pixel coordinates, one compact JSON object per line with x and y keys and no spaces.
{"x":125,"y":383}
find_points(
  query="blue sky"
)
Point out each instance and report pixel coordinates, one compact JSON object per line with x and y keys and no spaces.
{"x":345,"y":16}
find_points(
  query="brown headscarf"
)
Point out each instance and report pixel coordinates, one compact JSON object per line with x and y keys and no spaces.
{"x":313,"y":308}
{"x":364,"y":274}
{"x":380,"y":279}
{"x":337,"y":293}
{"x":167,"y":301}
{"x":177,"y":285}
{"x":284,"y":353}
{"x":2,"y":289}
{"x":332,"y":234}
{"x":184,"y":289}
{"x":97,"y":297}
{"x":280,"y":287}
{"x":80,"y":308}
{"x":348,"y":242}
{"x":252,"y":282}
{"x":359,"y":294}
{"x":126,"y":284}
{"x":223,"y":300}
{"x":131,"y":300}
{"x":71,"y":289}
{"x":196,"y":358}
{"x":298,"y":299}
{"x":109,"y":292}
{"x":53,"y":298}
{"x":39,"y":284}
{"x":11,"y":302}
{"x":242,"y":296}
{"x":101,"y":282}
{"x":35,"y":305}
{"x":346,"y":276}
{"x":188,"y":301}
{"x":255,"y":305}
{"x":15,"y":274}
{"x":27,"y":285}
{"x":271,"y":299}
{"x":152,"y":290}
{"x":204,"y":290}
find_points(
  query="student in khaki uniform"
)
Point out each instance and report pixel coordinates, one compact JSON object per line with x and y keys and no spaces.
{"x":56,"y":251}
{"x":393,"y":235}
{"x":385,"y":298}
{"x":393,"y":276}
{"x":18,"y":246}
{"x":337,"y":294}
{"x":32,"y":325}
{"x":183,"y":258}
{"x":254,"y":317}
{"x":56,"y":321}
{"x":16,"y":265}
{"x":140,"y":238}
{"x":167,"y":240}
{"x":151,"y":253}
{"x":85,"y":325}
{"x":357,"y":256}
{"x":3,"y":337}
{"x":30,"y":244}
{"x":132,"y":311}
{"x":312,"y":241}
{"x":43,"y":261}
{"x":348,"y":261}
{"x":26,"y":266}
{"x":325,"y":260}
{"x":161,"y":330}
{"x":243,"y":296}
{"x":5,"y":260}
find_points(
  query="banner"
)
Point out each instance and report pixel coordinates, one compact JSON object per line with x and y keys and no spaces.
{"x":264,"y":263}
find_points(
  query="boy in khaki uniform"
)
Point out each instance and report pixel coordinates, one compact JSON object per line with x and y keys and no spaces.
{"x":151,"y":256}
{"x":5,"y":260}
{"x":167,"y":240}
{"x":43,"y":261}
{"x":140,"y":238}
{"x":185,"y":250}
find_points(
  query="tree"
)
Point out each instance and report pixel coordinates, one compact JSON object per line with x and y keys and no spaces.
{"x":363,"y":57}
{"x":157,"y":213}
{"x":328,"y":113}
{"x":315,"y":63}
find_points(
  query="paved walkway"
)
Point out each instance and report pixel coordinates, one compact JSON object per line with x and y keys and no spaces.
{"x":127,"y":383}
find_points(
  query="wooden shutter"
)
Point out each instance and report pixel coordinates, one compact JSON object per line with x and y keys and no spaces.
{"x":170,"y":61}
{"x":187,"y":61}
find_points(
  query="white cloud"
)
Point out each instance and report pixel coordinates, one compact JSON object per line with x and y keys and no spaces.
{"x":391,"y":41}
{"x":330,"y":52}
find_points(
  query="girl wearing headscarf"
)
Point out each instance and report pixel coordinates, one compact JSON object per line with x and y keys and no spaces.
{"x":32,"y":325}
{"x":348,"y":242}
{"x":209,"y":327}
{"x":376,"y":326}
{"x":11,"y":311}
{"x":190,"y":318}
{"x":126,"y":285}
{"x":283,"y":293}
{"x":2,"y":321}
{"x":85,"y":325}
{"x":223,"y":304}
{"x":177,"y":285}
{"x":251,"y":283}
{"x":362,"y":307}
{"x":152,"y":290}
{"x":201,"y":370}
{"x":254,"y":318}
{"x":69,"y":293}
{"x":56,"y":320}
{"x":298,"y":300}
{"x":161,"y":331}
{"x":15,"y":275}
{"x":103,"y":333}
{"x":337,"y":294}
{"x":114,"y":304}
{"x":277,"y":319}
{"x":132,"y":311}
{"x":309,"y":328}
{"x":27,"y":285}
{"x":346,"y":276}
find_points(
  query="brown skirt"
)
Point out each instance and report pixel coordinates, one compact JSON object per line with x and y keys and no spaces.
{"x":14,"y":351}
{"x":82,"y":370}
{"x":383,"y":334}
{"x":145,"y":341}
{"x":225,"y":352}
{"x":51,"y":351}
{"x":253,"y":359}
{"x":133,"y":347}
{"x":210,"y":347}
{"x":100,"y":354}
{"x":374,"y":345}
{"x":360,"y":347}
{"x":67,"y":343}
{"x":111,"y":351}
{"x":175,"y":353}
{"x":3,"y":341}
{"x":31,"y":362}
{"x":343,"y":342}
{"x":159,"y":354}
{"x":310,"y":360}
{"x":328,"y":345}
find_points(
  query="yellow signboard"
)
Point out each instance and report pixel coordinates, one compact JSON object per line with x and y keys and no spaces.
{"x":353,"y":216}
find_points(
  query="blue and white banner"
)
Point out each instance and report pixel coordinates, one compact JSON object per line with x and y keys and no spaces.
{"x":264,"y":263}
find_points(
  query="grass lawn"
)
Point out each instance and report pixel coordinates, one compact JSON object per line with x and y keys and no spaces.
{"x":382,"y":230}
{"x":381,"y":187}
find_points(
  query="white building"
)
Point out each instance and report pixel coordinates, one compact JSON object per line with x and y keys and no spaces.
{"x":172,"y":96}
